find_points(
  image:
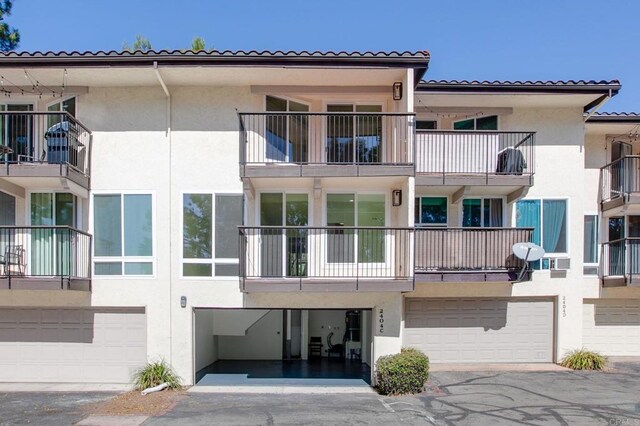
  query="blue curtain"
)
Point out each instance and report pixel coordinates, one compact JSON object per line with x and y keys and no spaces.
{"x":554,"y":220}
{"x":528,"y":216}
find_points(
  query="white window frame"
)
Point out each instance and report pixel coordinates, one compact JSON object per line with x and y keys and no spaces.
{"x":60,"y":101}
{"x":214,"y":259}
{"x":549,"y":256}
{"x":433,"y":225}
{"x":288,"y":99}
{"x":482,"y":198}
{"x":598,"y":245}
{"x":133,"y":259}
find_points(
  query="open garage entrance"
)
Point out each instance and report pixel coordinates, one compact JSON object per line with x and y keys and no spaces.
{"x":303,"y":347}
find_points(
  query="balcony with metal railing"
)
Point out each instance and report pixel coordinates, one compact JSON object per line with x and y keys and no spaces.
{"x":330,"y":258}
{"x":474,"y":158}
{"x":620,"y":262}
{"x":468,"y":254}
{"x":44,"y":258}
{"x":620,"y":183}
{"x":286,"y":144}
{"x":39,"y":148}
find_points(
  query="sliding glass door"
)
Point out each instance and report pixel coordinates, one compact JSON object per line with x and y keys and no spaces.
{"x":287,"y":135}
{"x":50,"y":253}
{"x":284,"y":251}
{"x":354,"y":138}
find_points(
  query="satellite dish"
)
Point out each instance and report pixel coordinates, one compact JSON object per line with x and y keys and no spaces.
{"x":528,"y":252}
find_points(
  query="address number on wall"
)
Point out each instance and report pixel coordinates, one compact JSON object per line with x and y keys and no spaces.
{"x":381,"y":321}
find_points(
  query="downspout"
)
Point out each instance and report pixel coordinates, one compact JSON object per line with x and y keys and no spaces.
{"x":168,"y":134}
{"x":604,"y":100}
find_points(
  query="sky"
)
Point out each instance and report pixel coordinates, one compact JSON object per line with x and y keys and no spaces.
{"x":467,"y":39}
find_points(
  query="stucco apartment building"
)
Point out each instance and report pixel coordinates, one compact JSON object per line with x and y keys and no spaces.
{"x":213,"y":208}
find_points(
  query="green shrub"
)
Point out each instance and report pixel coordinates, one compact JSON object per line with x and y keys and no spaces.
{"x":154,"y":374}
{"x":582,"y":359}
{"x":403,"y":373}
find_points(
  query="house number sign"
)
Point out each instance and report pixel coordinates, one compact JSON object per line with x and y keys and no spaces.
{"x":381,"y":321}
{"x":564,"y":306}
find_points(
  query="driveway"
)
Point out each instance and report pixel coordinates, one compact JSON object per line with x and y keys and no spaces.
{"x":460,"y":398}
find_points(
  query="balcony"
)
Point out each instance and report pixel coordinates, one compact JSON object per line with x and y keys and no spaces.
{"x":620,"y":262}
{"x":326,"y":144}
{"x":620,"y":184}
{"x":468,"y":254}
{"x":44,"y":258}
{"x":321,"y":259}
{"x":474,"y":158}
{"x":45,"y":149}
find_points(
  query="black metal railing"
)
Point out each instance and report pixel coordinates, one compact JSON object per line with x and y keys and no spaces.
{"x":44,"y":251}
{"x":442,"y":152}
{"x":468,"y":249}
{"x":44,"y":138}
{"x":327,"y":138}
{"x":620,"y":177}
{"x":325,"y":252}
{"x":621,"y":258}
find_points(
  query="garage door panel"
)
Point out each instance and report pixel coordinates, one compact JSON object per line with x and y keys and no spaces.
{"x":612,"y":327}
{"x":478,"y":330}
{"x":71,"y":345}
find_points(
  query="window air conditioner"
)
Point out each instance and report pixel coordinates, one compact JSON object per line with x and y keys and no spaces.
{"x":560,"y":264}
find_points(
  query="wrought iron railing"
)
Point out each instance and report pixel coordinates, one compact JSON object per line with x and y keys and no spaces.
{"x":468,"y":249}
{"x":326,"y":138}
{"x":620,"y":177}
{"x":44,"y":138}
{"x":325,"y":252}
{"x":44,"y":251}
{"x":480,"y":153}
{"x":621,"y":258}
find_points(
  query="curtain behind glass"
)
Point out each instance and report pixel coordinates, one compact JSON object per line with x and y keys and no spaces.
{"x":554,"y":227}
{"x":528,"y":216}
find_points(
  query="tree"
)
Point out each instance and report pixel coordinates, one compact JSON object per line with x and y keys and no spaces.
{"x":141,"y":43}
{"x":198,"y":44}
{"x":9,"y":36}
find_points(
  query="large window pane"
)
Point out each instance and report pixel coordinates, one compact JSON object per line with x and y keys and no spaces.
{"x":590,"y":239}
{"x":371,"y":242}
{"x":554,"y":228}
{"x":492,"y":212}
{"x":464,"y":125}
{"x":107,"y":225}
{"x":137,"y":225}
{"x":471,"y":212}
{"x":228,"y":218}
{"x":7,"y":209}
{"x":271,"y":209}
{"x":433,"y":211}
{"x":340,"y":134}
{"x":487,"y":123}
{"x":64,"y":206}
{"x":340,"y":243}
{"x":197,"y":227}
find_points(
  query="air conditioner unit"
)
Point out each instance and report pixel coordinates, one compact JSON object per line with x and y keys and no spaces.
{"x":560,"y":264}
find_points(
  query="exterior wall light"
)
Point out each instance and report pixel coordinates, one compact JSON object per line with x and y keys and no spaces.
{"x":183,"y":301}
{"x":397,"y":91}
{"x":396,"y":198}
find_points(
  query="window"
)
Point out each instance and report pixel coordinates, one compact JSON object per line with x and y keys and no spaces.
{"x":287,"y":135}
{"x":123,"y":234}
{"x":431,"y":211}
{"x":426,"y":124}
{"x":210,"y":243}
{"x":482,"y":212}
{"x":67,"y":105}
{"x":481,"y":123}
{"x":549,"y":220}
{"x":590,"y":243}
{"x":354,"y":137}
{"x":364,"y":210}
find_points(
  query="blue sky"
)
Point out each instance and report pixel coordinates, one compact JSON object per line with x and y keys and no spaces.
{"x":468,"y":39}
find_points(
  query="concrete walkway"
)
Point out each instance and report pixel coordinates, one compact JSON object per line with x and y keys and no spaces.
{"x":64,"y":387}
{"x":496,"y":367}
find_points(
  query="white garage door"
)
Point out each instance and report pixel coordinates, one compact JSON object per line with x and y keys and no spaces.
{"x":612,"y":327}
{"x":479,"y":330}
{"x":71,"y":345}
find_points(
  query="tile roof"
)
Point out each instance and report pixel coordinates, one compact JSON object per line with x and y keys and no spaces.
{"x":523,"y":86}
{"x":536,"y":83}
{"x":615,"y":117}
{"x":418,"y":59}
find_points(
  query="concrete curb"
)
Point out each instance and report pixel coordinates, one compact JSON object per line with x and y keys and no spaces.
{"x":282,"y":389}
{"x":64,"y":387}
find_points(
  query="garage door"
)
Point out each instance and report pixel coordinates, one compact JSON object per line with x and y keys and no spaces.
{"x":612,"y":327}
{"x":71,"y":345}
{"x":478,"y":330}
